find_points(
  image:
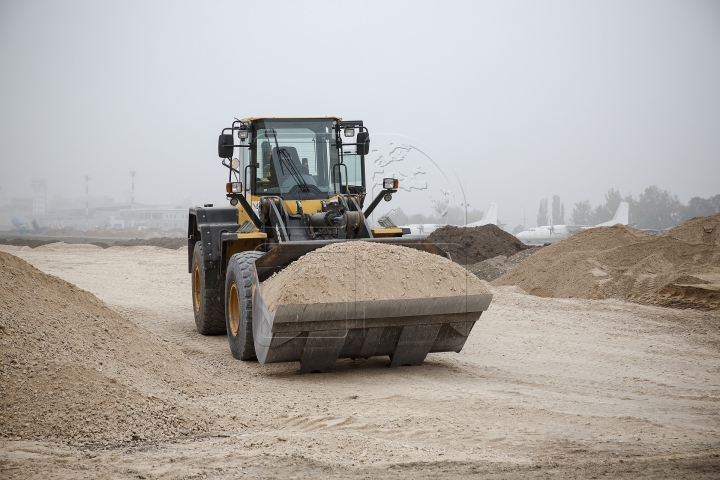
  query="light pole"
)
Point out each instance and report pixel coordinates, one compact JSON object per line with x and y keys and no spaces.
{"x":466,"y":205}
{"x":87,"y":203}
{"x":132,"y":202}
{"x":464,"y":199}
{"x":523,"y":216}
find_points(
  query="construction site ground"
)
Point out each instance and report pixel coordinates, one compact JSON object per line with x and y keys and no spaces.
{"x":545,"y":387}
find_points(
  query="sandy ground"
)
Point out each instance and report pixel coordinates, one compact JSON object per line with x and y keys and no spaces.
{"x":544,"y":387}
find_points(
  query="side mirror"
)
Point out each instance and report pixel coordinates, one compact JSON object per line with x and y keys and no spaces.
{"x":225,"y":143}
{"x":363,"y":141}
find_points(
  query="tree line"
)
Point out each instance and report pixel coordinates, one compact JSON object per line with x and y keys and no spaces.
{"x":654,"y":209}
{"x":556,"y":216}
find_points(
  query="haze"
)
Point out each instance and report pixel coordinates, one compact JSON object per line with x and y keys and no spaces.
{"x":522,"y":100}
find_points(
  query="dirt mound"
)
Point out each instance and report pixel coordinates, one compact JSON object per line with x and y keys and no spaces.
{"x":164,"y":242}
{"x":493,"y":268}
{"x":621,"y":262}
{"x":470,"y":245}
{"x":350,"y":271}
{"x":74,"y":369}
{"x":704,"y":230}
{"x":26,"y":242}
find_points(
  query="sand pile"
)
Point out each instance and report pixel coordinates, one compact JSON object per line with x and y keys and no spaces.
{"x":74,"y":369}
{"x":680,"y":268}
{"x":496,"y":267}
{"x":358,"y":271}
{"x":705,"y":230}
{"x":468,"y":246}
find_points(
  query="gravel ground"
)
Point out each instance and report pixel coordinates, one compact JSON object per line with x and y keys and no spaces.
{"x":568,"y":388}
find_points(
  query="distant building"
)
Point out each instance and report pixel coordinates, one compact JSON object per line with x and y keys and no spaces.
{"x":39,"y":187}
{"x":109,"y":216}
{"x":161,"y":217}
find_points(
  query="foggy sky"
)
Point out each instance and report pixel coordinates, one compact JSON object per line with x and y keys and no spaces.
{"x":522,"y":100}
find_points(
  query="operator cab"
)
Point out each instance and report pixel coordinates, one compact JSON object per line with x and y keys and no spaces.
{"x":301,"y":159}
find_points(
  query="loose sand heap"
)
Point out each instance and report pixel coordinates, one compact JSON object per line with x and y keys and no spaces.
{"x":73,"y":369}
{"x":680,"y":268}
{"x":470,"y":245}
{"x":359,"y":271}
{"x":493,"y":268}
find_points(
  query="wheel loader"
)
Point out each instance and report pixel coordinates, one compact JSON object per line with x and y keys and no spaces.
{"x":296,"y":185}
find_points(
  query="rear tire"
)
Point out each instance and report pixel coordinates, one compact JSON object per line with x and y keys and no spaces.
{"x":238,"y":304}
{"x":208,"y":297}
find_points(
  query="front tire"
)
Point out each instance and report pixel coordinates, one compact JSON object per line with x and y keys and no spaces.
{"x":238,"y":304}
{"x":207,"y":296}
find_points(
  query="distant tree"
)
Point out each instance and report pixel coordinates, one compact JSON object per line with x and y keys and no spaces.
{"x":417,"y":218}
{"x":542,"y":216}
{"x":655,"y":209}
{"x":582,"y":214}
{"x":700,"y":207}
{"x":440,"y":207}
{"x":455,"y":216}
{"x":558,"y":211}
{"x":399,"y":217}
{"x":715,"y":202}
{"x":475,"y":215}
{"x":518,"y":229}
{"x":605,"y":212}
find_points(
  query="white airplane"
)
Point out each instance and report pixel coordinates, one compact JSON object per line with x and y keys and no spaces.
{"x":423,"y":229}
{"x":555,"y":233}
{"x":426,"y":229}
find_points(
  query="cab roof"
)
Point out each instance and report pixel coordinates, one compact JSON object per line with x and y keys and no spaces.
{"x":253,"y":119}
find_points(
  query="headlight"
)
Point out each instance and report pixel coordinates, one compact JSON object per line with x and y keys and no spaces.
{"x":233,"y":187}
{"x":243,"y":135}
{"x":390,"y":183}
{"x":349,"y":132}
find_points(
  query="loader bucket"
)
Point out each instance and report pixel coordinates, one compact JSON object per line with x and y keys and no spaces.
{"x":318,"y":334}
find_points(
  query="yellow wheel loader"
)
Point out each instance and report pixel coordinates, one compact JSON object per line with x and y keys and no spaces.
{"x":298,"y":184}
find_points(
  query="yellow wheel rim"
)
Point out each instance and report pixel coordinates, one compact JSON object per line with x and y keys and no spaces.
{"x":196,"y":288}
{"x":233,"y":310}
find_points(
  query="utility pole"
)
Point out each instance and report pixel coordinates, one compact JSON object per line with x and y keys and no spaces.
{"x":132,"y":201}
{"x":464,"y":204}
{"x":87,"y":203}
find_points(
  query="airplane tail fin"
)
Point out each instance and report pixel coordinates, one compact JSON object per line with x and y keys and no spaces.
{"x":491,"y":214}
{"x":622,"y":216}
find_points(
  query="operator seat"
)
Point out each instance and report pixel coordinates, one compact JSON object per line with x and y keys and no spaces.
{"x":292,"y":151}
{"x":287,"y":180}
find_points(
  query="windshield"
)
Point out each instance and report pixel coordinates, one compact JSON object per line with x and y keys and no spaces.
{"x":293,"y":156}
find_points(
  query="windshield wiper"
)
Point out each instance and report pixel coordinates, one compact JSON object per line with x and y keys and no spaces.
{"x":286,"y":161}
